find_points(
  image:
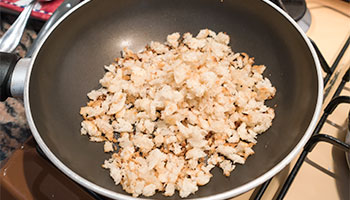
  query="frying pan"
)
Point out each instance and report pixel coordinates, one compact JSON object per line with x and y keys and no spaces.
{"x":69,"y":62}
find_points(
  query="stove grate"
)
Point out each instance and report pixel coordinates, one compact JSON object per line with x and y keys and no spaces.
{"x":317,"y":136}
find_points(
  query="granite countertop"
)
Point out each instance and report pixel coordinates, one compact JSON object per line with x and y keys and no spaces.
{"x":13,"y":127}
{"x":14,"y":130}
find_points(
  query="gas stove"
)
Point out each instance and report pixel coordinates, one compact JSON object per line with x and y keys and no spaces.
{"x":319,"y":172}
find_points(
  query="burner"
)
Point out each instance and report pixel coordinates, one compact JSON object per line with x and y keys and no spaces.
{"x":297,"y":10}
{"x":305,"y":21}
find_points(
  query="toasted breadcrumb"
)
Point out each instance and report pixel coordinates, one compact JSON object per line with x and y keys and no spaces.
{"x":108,"y":147}
{"x":176,"y":110}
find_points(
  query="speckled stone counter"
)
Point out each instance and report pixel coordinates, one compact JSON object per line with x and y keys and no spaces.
{"x":13,"y":125}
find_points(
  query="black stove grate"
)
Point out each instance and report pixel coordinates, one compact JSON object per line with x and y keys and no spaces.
{"x":317,"y":136}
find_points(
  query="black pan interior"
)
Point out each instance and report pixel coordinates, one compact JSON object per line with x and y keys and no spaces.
{"x":70,"y":63}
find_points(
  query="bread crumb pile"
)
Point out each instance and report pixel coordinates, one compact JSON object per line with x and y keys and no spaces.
{"x":174,"y":111}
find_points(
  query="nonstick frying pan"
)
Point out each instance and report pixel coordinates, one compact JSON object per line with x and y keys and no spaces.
{"x":69,"y":62}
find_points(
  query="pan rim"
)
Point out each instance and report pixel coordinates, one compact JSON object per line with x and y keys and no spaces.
{"x":228,"y":194}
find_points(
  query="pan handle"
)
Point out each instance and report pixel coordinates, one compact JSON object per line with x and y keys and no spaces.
{"x":280,"y":4}
{"x":18,"y":77}
{"x":7,"y":65}
{"x":13,"y":70}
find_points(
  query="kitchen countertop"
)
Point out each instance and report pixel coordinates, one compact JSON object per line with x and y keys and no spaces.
{"x":13,"y":127}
